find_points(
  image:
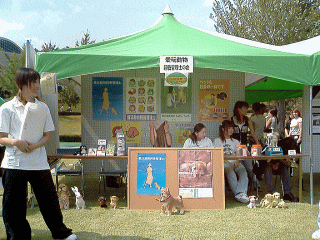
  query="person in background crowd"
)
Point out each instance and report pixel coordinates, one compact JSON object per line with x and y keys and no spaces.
{"x":287,"y":127}
{"x":242,"y":125}
{"x":296,"y":126}
{"x":272,"y":122}
{"x":62,"y":108}
{"x":25,"y":162}
{"x":198,"y":138}
{"x":235,"y":172}
{"x":258,"y":121}
{"x":159,"y":134}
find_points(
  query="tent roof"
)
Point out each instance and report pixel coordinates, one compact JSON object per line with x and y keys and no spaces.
{"x":168,"y":37}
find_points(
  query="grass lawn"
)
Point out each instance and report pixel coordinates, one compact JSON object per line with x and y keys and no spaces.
{"x":70,"y":125}
{"x":296,"y":221}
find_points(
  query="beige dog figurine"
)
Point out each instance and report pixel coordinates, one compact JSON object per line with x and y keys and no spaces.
{"x":114,"y":202}
{"x":252,"y":203}
{"x":63,"y":194}
{"x":169,"y":202}
{"x":266,"y":201}
{"x":275,"y":200}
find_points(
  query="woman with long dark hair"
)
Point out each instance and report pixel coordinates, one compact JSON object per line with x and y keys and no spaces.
{"x":242,"y":125}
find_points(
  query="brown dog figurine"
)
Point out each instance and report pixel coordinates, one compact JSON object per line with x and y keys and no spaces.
{"x":169,"y":202}
{"x":114,"y":202}
{"x":63,"y":195}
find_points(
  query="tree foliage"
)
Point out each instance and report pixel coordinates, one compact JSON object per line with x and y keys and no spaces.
{"x":69,"y":97}
{"x":48,"y":47}
{"x":8,"y":87}
{"x":85,"y":40}
{"x":275,"y":22}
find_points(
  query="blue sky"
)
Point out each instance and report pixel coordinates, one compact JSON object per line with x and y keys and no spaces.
{"x":64,"y":22}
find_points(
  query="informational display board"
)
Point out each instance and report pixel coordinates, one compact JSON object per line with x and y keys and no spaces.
{"x":150,"y":169}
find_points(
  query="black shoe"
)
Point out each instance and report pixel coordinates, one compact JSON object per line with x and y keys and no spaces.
{"x":290,"y":197}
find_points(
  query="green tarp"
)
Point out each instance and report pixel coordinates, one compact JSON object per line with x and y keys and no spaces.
{"x":171,"y":38}
{"x":272,"y":89}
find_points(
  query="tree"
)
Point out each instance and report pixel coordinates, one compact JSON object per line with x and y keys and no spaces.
{"x":69,"y":97}
{"x":48,"y":47}
{"x":275,"y":22}
{"x":85,"y":40}
{"x":8,"y":73}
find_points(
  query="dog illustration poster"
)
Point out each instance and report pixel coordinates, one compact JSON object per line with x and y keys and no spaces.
{"x":107,"y":98}
{"x":131,"y":129}
{"x":213,"y":100}
{"x":151,"y":173}
{"x":141,"y":99}
{"x":195,"y":173}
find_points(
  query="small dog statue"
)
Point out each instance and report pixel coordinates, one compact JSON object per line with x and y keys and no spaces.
{"x":114,"y":202}
{"x":266,"y":201}
{"x":169,"y":202}
{"x":281,"y":204}
{"x":103,"y":202}
{"x":80,"y":204}
{"x":252,"y":203}
{"x":63,"y":195}
{"x":275,"y":200}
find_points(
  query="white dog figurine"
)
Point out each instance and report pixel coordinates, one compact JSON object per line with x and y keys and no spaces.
{"x":80,"y":204}
{"x":252,"y":203}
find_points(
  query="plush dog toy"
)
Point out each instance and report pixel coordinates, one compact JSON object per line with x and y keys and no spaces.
{"x":168,"y":202}
{"x":281,"y":204}
{"x":103,"y":202}
{"x":79,"y":199}
{"x":63,"y":195}
{"x":114,"y":202}
{"x":252,"y":203}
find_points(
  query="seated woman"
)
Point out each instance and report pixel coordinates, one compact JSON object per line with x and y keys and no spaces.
{"x":235,"y":172}
{"x":198,"y":138}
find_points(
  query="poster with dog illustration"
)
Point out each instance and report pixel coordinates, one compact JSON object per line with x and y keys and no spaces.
{"x":195,"y":173}
{"x":151,"y":173}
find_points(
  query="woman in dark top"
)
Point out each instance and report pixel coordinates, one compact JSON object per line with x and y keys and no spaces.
{"x":242,"y":125}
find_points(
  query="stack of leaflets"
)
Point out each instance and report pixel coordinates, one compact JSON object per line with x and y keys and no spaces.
{"x":102,"y":145}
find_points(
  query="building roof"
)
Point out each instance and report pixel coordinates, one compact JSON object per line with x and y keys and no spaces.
{"x":9,"y":46}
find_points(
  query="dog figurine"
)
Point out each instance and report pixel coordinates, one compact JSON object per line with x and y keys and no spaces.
{"x":252,"y":203}
{"x":114,"y":202}
{"x":168,"y":202}
{"x":63,"y":195}
{"x":266,"y":201}
{"x":80,"y":204}
{"x":275,"y":200}
{"x":103,"y":202}
{"x":281,"y":204}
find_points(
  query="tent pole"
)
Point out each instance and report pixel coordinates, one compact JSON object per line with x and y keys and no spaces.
{"x":311,"y":144}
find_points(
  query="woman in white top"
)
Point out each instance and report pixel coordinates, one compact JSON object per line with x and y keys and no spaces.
{"x":198,"y":137}
{"x":25,"y":160}
{"x":235,"y":172}
{"x":296,"y":126}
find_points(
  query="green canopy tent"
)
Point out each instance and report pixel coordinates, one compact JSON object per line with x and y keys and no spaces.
{"x":170,"y":38}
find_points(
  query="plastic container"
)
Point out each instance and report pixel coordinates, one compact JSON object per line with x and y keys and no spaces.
{"x":256,"y":150}
{"x":242,"y":151}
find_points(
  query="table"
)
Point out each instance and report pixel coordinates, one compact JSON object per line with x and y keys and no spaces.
{"x":286,"y":159}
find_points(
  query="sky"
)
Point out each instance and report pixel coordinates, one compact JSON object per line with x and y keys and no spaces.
{"x":63,"y":22}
